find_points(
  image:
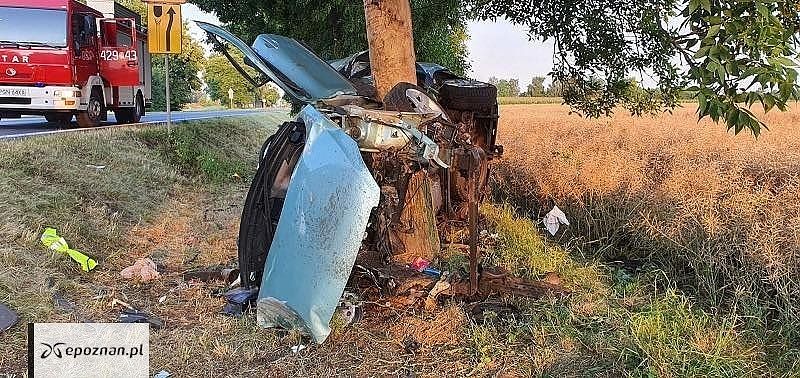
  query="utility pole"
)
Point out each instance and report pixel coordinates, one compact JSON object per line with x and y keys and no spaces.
{"x":392,"y":60}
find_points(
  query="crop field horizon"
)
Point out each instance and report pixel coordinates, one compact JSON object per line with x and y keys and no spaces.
{"x":717,"y":214}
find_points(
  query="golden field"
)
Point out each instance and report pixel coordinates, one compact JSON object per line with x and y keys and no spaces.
{"x":718,"y":213}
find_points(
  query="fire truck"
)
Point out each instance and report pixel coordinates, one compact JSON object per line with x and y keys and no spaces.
{"x":64,"y":59}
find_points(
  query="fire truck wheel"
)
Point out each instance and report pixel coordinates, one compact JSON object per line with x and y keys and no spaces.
{"x":93,"y":114}
{"x":131,"y":115}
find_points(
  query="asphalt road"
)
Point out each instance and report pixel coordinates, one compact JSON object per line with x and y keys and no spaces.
{"x":35,"y":125}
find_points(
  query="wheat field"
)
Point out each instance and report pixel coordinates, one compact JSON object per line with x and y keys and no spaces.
{"x":719,"y":213}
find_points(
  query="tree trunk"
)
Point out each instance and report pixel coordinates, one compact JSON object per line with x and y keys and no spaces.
{"x":391,"y":43}
{"x":392,"y":59}
{"x":418,"y":235}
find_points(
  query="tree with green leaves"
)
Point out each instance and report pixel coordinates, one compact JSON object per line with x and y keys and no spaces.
{"x":220,"y":76}
{"x":731,"y":53}
{"x":536,"y":87}
{"x":505,"y":88}
{"x":183,"y":68}
{"x":335,"y":29}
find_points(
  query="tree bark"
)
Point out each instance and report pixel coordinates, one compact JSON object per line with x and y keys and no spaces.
{"x":392,"y":59}
{"x":418,"y":235}
{"x":391,"y":43}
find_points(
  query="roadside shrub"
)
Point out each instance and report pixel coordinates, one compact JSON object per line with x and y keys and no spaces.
{"x":216,"y":151}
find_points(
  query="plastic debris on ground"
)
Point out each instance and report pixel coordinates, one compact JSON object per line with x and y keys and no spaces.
{"x":298,"y":348}
{"x":350,"y":308}
{"x":239,"y":301}
{"x":129,"y":315}
{"x":419,"y":264}
{"x":143,"y":269}
{"x":7,"y":318}
{"x":52,"y":240}
{"x":325,"y":213}
{"x":554,"y":219}
{"x":162,"y":374}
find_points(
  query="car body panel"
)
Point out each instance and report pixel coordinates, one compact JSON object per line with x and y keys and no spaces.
{"x":298,"y":71}
{"x":322,"y":224}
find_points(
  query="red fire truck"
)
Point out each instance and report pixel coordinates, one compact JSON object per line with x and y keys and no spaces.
{"x":62,"y":58}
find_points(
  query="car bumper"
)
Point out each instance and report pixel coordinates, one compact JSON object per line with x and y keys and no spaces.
{"x":39,"y":99}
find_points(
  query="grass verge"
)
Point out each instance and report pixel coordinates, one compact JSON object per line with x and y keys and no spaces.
{"x":96,"y":188}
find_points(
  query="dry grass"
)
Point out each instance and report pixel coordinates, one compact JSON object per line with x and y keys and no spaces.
{"x":719,"y":213}
{"x":177,"y":200}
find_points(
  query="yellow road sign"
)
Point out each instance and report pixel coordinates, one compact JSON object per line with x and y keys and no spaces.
{"x":164,"y":28}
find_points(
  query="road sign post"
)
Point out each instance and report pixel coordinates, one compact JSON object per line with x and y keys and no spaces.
{"x":230,"y":96}
{"x":165,"y":36}
{"x":166,"y":82}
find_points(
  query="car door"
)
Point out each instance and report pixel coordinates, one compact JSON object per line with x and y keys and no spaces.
{"x":297,"y":70}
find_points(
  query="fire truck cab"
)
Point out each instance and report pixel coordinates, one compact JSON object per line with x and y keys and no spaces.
{"x":64,"y":59}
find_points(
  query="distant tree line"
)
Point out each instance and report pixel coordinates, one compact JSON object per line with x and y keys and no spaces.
{"x":536,"y":88}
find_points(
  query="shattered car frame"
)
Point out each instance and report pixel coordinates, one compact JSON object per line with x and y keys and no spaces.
{"x":332,"y":184}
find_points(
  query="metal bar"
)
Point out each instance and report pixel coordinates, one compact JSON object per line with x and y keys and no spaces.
{"x":474,"y":167}
{"x":166,"y":79}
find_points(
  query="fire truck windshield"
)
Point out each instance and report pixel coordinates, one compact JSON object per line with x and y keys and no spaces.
{"x":33,"y":27}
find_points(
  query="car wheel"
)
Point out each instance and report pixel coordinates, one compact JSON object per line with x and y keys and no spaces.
{"x":466,"y":94}
{"x":93,"y":115}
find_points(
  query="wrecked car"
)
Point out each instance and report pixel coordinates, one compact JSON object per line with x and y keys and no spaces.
{"x":332,"y":184}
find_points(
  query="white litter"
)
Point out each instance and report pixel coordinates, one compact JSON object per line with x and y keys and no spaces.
{"x":554,"y":219}
{"x":298,"y":348}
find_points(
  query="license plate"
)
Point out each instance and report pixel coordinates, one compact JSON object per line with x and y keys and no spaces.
{"x":13,"y":92}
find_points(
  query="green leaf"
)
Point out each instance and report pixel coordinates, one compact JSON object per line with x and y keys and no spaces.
{"x":702,"y":52}
{"x":706,"y":5}
{"x":693,"y":5}
{"x":714,"y":30}
{"x":703,"y":103}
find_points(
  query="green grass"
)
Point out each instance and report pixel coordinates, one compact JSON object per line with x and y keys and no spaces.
{"x":618,"y":321}
{"x":529,"y":100}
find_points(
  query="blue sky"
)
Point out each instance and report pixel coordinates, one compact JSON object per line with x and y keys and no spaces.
{"x":496,"y":48}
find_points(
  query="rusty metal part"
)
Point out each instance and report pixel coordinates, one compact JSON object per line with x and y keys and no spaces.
{"x":498,"y":281}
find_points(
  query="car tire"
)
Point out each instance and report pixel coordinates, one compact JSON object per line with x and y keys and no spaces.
{"x":397,"y":100}
{"x":93,"y":115}
{"x":60,"y":119}
{"x":466,"y":94}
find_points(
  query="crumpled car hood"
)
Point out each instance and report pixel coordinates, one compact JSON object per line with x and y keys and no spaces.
{"x":325,"y":213}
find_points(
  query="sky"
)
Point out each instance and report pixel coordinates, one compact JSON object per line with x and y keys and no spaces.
{"x":496,"y":49}
{"x":504,"y":51}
